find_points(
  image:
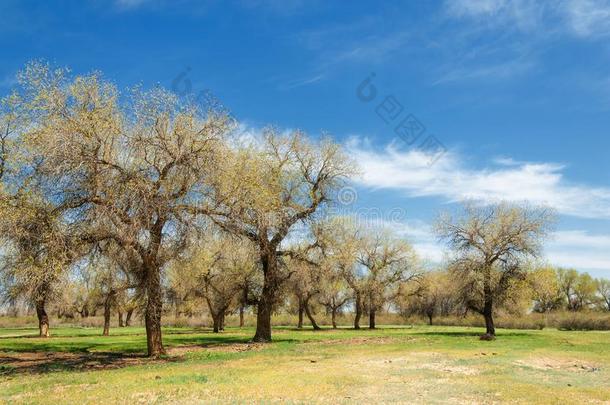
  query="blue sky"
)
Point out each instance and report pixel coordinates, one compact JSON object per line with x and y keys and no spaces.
{"x":516,"y":92}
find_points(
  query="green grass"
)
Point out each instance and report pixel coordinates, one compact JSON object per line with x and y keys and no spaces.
{"x":392,"y":364}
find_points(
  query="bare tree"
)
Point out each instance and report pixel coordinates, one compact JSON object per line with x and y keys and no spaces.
{"x":490,"y":245}
{"x":387,"y":262}
{"x":603,"y":289}
{"x":270,"y":189}
{"x":36,"y":252}
{"x":131,"y":174}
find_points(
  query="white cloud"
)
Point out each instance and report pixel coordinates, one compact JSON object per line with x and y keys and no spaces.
{"x":451,"y":179}
{"x":588,"y":17}
{"x":581,"y":250}
{"x":583,"y":18}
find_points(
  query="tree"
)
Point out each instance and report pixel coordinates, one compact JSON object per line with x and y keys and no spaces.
{"x":490,"y":246}
{"x":340,"y":239}
{"x":584,"y":291}
{"x":218,"y":266}
{"x":432,"y":295}
{"x":567,"y":279}
{"x":269,"y":190}
{"x":37,"y":252}
{"x":334,"y":292}
{"x":387,"y":262}
{"x":546,"y":292}
{"x":603,"y":289}
{"x":131,"y":174}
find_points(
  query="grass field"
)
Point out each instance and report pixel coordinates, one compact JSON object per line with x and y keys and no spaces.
{"x":392,"y":364}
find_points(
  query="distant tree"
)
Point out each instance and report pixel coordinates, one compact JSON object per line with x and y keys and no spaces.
{"x":433,"y":295}
{"x":387,"y":262}
{"x":545,"y":289}
{"x":490,"y":247}
{"x":37,"y":252}
{"x":584,"y":292}
{"x":603,"y":289}
{"x":567,"y":279}
{"x":217,"y":268}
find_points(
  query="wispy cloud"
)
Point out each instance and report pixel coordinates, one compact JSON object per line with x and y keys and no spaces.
{"x":496,"y":71}
{"x":452,"y":180}
{"x":588,"y":18}
{"x":581,"y":250}
{"x":582,"y":18}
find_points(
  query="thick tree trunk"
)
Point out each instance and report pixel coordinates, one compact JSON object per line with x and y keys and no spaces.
{"x":128,"y":317}
{"x":216,"y":322}
{"x":43,"y":319}
{"x":106,"y":317}
{"x":430,"y":319}
{"x":121,"y":324}
{"x":153,"y":311}
{"x":358,"y":308}
{"x":490,"y":330}
{"x":372,"y":313}
{"x":241,"y":316}
{"x":310,"y":316}
{"x":301,"y":312}
{"x":333,"y":314}
{"x":221,"y":323}
{"x":265,"y":304}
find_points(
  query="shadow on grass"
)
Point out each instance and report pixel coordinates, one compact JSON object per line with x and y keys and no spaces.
{"x":471,"y":333}
{"x":41,"y":363}
{"x":106,"y":353}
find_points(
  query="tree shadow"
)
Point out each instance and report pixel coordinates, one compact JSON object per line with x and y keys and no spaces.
{"x":41,"y":363}
{"x":471,"y":333}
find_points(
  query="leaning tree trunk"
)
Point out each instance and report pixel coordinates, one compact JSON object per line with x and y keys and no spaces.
{"x":128,"y":317}
{"x":43,"y":319}
{"x":265,"y":304}
{"x":358,"y":305}
{"x":106,"y":316}
{"x":153,"y":311}
{"x":310,"y":316}
{"x":215,"y":322}
{"x":221,"y":323}
{"x":301,"y":311}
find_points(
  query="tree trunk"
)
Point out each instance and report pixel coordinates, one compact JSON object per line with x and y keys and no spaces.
{"x":128,"y":317}
{"x":358,"y":305}
{"x":221,"y":323}
{"x":372,"y":318}
{"x":301,"y":311}
{"x":43,"y":319}
{"x":334,"y":317}
{"x":106,"y":316}
{"x":216,"y":322}
{"x":153,"y":311}
{"x":241,"y":316}
{"x":310,"y":316}
{"x":490,"y":332}
{"x":430,"y":319}
{"x":121,"y":324}
{"x":265,"y":304}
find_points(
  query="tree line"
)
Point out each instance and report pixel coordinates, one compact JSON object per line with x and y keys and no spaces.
{"x":144,"y":202}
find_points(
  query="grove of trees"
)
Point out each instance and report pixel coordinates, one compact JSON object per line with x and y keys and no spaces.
{"x":145,"y":205}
